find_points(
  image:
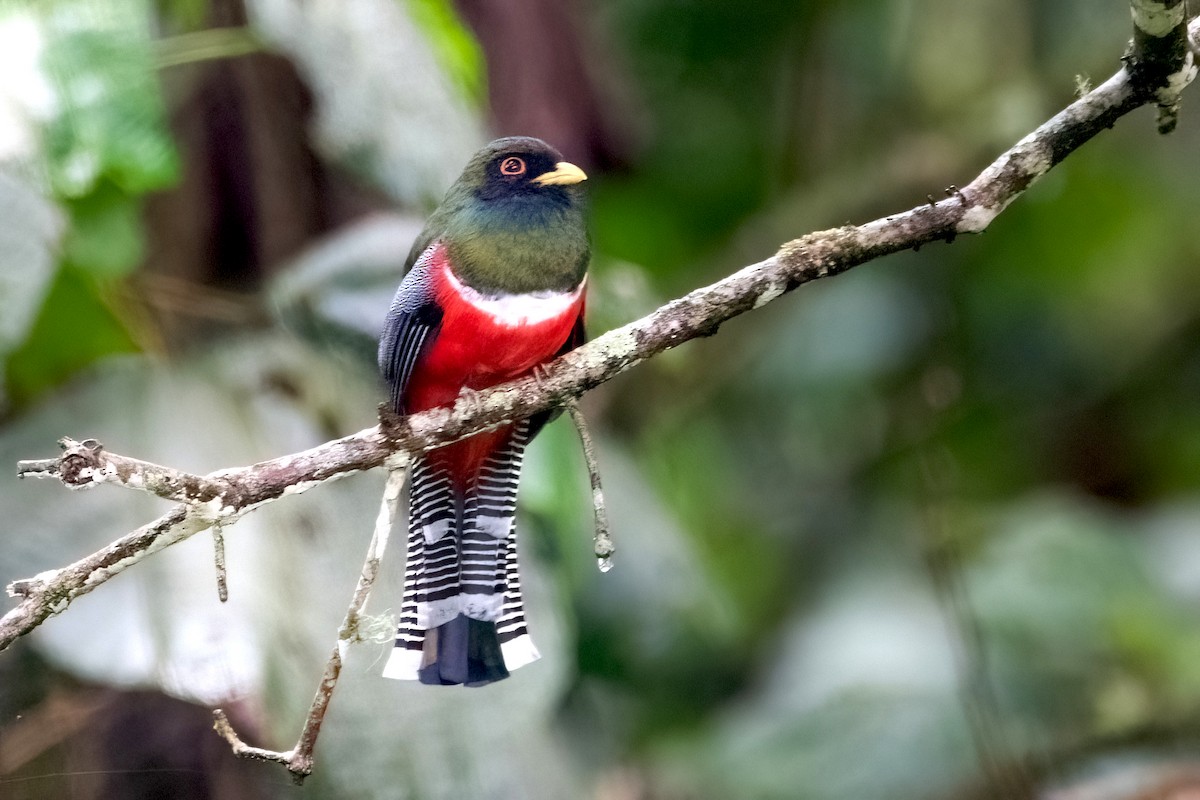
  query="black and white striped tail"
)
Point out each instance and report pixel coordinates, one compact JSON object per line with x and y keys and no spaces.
{"x":462,"y":620}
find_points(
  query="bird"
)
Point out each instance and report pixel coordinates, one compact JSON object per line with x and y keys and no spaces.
{"x":494,"y":288}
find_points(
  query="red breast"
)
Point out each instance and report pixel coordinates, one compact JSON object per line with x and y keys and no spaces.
{"x":485,"y":340}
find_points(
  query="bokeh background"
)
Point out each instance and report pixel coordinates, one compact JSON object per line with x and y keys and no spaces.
{"x":925,"y":530}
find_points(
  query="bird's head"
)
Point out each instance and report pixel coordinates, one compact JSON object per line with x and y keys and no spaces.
{"x":514,"y":220}
{"x":521,"y":167}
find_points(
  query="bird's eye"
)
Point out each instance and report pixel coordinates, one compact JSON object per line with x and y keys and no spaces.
{"x":512,"y":166}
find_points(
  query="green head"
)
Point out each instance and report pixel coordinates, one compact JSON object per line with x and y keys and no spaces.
{"x":514,"y":220}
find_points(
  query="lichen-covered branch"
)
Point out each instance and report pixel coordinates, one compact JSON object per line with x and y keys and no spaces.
{"x":50,"y":593}
{"x":86,"y":464}
{"x":1161,"y":56}
{"x":1161,"y":60}
{"x":602,"y":542}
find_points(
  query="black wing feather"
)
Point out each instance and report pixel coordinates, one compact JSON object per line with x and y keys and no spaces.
{"x":412,"y":324}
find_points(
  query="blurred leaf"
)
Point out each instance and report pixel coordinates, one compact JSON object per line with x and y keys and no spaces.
{"x":455,"y":47}
{"x":386,"y":105}
{"x":186,"y":14}
{"x":1079,"y":284}
{"x":1064,"y":598}
{"x":73,"y":329}
{"x":339,"y":291}
{"x":1053,"y":575}
{"x":27,"y":239}
{"x":110,"y":120}
{"x":869,"y":743}
{"x":105,"y":236}
{"x":104,"y":143}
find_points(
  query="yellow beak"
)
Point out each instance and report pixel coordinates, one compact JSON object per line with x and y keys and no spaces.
{"x":563,"y":174}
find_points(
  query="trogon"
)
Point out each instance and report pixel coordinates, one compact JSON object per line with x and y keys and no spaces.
{"x":493,"y":288}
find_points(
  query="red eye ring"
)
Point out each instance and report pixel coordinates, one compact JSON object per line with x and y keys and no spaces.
{"x":512,"y":166}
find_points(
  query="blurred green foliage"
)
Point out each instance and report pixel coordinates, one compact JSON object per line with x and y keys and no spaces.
{"x":105,"y":145}
{"x":110,"y":123}
{"x":457,"y":52}
{"x":54,"y":350}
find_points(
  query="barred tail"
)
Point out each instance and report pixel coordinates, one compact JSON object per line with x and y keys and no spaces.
{"x":462,"y":620}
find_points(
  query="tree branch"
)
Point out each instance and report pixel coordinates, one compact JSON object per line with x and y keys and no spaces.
{"x":1161,"y":55}
{"x":86,"y":464}
{"x":50,"y":593}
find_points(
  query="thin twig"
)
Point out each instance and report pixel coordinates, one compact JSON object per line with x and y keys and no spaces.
{"x":388,"y":507}
{"x":222,"y":726}
{"x":219,"y":559}
{"x":602,"y":542}
{"x":299,"y":760}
